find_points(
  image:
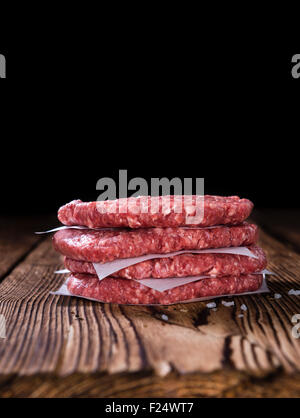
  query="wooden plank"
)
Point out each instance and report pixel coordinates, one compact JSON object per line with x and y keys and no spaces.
{"x":225,"y":383}
{"x":17,"y":238}
{"x":63,"y":336}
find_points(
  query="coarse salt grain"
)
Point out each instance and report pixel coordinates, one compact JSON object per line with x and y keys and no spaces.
{"x":227,"y":304}
{"x":163,"y":368}
{"x":211,"y":305}
{"x":243,"y":307}
{"x":164,"y":317}
{"x":277,"y":295}
{"x":241,"y":315}
{"x":294,"y":292}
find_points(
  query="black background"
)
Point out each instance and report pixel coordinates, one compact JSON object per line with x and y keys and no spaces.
{"x":159,"y":104}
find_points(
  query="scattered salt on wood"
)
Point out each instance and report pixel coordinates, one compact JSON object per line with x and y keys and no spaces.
{"x":214,"y":309}
{"x":277,"y":295}
{"x":243,"y":307}
{"x":211,"y":305}
{"x":164,"y":317}
{"x":241,"y":315}
{"x":294,"y":292}
{"x":163,"y":368}
{"x":227,"y":304}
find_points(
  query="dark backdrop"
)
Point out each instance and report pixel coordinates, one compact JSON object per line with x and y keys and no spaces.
{"x":77,"y":110}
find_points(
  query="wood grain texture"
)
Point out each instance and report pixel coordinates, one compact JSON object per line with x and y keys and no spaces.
{"x":225,"y":383}
{"x":65,"y":338}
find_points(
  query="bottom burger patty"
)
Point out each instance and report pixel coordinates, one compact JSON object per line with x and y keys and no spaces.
{"x":183,"y":265}
{"x":131,"y":292}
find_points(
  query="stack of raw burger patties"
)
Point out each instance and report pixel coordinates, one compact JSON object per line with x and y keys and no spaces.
{"x":119,"y":229}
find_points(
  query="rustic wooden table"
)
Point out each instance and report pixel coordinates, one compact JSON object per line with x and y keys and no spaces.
{"x":68,"y":347}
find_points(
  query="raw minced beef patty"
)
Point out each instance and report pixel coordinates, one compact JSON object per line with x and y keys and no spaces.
{"x":107,"y":245}
{"x":170,"y":211}
{"x":132,"y":292}
{"x":183,"y":265}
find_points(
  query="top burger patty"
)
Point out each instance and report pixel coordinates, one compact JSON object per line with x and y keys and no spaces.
{"x":168,"y":211}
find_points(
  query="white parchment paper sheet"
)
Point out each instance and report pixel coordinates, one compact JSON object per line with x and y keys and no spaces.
{"x":119,"y":228}
{"x":165,"y":284}
{"x":75,"y":227}
{"x":105,"y":269}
